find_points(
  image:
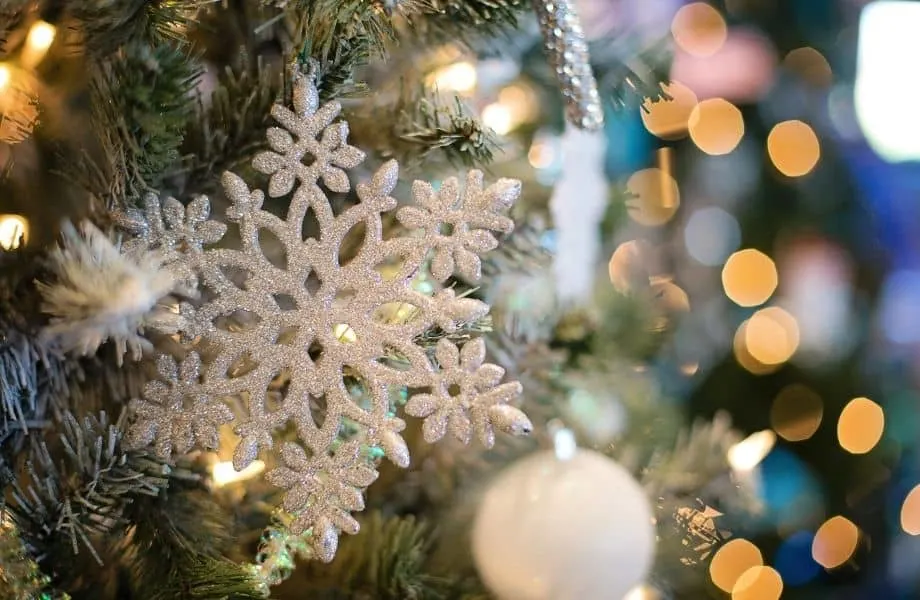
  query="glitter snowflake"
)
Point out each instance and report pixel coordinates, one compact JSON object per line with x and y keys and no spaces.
{"x":324,"y":321}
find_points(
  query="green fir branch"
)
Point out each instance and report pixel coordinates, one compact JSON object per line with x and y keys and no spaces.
{"x":427,"y":125}
{"x":227,"y":131}
{"x":79,"y":486}
{"x":386,"y":560}
{"x":424,"y":127}
{"x":108,"y":25}
{"x":177,"y":548}
{"x":337,"y":37}
{"x":466,"y":21}
{"x":142,"y":99}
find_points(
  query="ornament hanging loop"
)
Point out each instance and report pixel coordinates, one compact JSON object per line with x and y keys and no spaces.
{"x":567,"y":52}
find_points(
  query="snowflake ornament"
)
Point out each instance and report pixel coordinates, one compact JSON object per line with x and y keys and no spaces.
{"x":325,"y":322}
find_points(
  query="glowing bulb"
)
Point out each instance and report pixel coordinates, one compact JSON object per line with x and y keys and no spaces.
{"x":14,"y":231}
{"x":4,"y":76}
{"x":223,"y":473}
{"x":498,"y":117}
{"x":888,"y":43}
{"x":458,"y":77}
{"x":749,"y":452}
{"x":41,"y":36}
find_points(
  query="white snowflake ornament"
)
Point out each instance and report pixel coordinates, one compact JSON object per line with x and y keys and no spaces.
{"x":324,"y":324}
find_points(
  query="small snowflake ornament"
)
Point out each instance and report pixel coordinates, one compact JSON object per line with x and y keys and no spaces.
{"x":324,"y":323}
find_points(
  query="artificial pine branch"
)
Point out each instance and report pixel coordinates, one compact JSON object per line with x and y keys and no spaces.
{"x":450,"y":21}
{"x":386,"y":561}
{"x":107,"y":25}
{"x":142,"y":100}
{"x":33,"y":377}
{"x":338,"y":37}
{"x":177,"y":547}
{"x":80,"y":492}
{"x":228,"y":130}
{"x":424,"y":127}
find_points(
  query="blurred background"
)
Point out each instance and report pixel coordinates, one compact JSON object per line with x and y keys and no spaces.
{"x":774,"y":198}
{"x":772,"y":201}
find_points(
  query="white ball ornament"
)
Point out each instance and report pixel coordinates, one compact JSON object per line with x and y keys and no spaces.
{"x":578,"y":528}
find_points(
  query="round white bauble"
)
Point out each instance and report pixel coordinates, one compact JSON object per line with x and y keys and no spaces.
{"x":575,"y":529}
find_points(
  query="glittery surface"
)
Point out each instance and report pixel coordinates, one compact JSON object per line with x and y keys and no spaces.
{"x":567,"y":51}
{"x":317,"y":318}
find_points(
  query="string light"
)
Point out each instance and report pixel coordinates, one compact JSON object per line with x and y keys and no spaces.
{"x":223,"y":473}
{"x":750,"y":452}
{"x":14,"y":231}
{"x":498,"y":117}
{"x":41,"y":36}
{"x":458,"y":77}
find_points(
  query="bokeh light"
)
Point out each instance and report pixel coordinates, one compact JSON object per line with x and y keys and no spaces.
{"x":810,"y":65}
{"x":699,"y":29}
{"x":772,"y":336}
{"x":629,"y":266}
{"x":5,"y":75}
{"x":794,"y":148}
{"x":498,"y":117}
{"x":669,"y":119}
{"x":223,"y":473}
{"x":656,"y":196}
{"x":669,"y":296}
{"x":796,"y":413}
{"x":758,"y":583}
{"x":711,"y":235}
{"x":731,"y":562}
{"x":861,"y":425}
{"x":835,"y":542}
{"x":41,"y":35}
{"x":749,"y":277}
{"x":750,"y":452}
{"x":910,"y":512}
{"x":14,"y":231}
{"x":457,"y":77}
{"x":744,"y":357}
{"x":716,"y":126}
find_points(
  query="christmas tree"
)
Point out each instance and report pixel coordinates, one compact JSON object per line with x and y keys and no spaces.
{"x":403,"y":299}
